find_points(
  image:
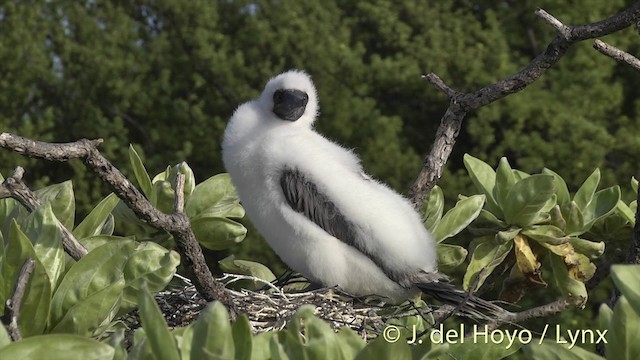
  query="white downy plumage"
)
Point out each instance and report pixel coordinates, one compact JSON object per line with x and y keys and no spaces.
{"x":311,"y":200}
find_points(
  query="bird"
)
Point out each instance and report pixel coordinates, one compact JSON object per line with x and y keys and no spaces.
{"x":322,"y":214}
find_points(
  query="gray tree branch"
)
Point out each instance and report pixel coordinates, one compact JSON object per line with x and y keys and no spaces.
{"x":176,"y":224}
{"x":15,"y":188}
{"x":461,"y":103}
{"x":12,"y":307}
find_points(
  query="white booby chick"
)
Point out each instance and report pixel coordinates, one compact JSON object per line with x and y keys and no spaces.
{"x":313,"y":203}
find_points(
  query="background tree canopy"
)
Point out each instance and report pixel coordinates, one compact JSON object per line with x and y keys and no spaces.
{"x":166,"y":76}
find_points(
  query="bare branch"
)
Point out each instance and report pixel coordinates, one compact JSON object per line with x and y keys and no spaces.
{"x":12,"y":307}
{"x":177,"y":224}
{"x":461,"y":103}
{"x":178,"y":201}
{"x":617,"y":54}
{"x":14,"y":187}
{"x":549,"y":309}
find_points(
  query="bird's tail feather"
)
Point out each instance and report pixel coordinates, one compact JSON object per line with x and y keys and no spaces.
{"x":465,"y":303}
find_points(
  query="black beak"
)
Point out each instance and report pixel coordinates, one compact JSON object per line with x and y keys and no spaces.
{"x":289,"y":104}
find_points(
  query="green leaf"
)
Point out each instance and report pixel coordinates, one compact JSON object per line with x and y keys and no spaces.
{"x":560,"y":186}
{"x":450,"y":256}
{"x":627,"y":278}
{"x":242,"y":338}
{"x":573,"y":290}
{"x":552,"y":350}
{"x":484,"y":179}
{"x":94,"y":222}
{"x":218,"y":233}
{"x":625,"y":211}
{"x":189,"y":179}
{"x":88,"y":314}
{"x":208,"y":193}
{"x":602,"y":204}
{"x":212,"y":337}
{"x":163,"y":194}
{"x":458,"y":218}
{"x":244,"y":267}
{"x":382,"y":349}
{"x":322,"y":342}
{"x":584,"y":195}
{"x":485,"y":215}
{"x":547,"y":234}
{"x":527,"y":198}
{"x":350,"y":343}
{"x":623,"y":334}
{"x":5,"y":339}
{"x":57,"y":347}
{"x":505,"y":179}
{"x":97,"y":270}
{"x":261,"y":345}
{"x":41,"y":227}
{"x":37,"y":299}
{"x":148,"y":264}
{"x":62,"y":201}
{"x":484,"y":348}
{"x":140,"y":172}
{"x":432,"y":208}
{"x":592,"y":249}
{"x":634,"y":184}
{"x":158,"y":335}
{"x":574,"y":219}
{"x":488,"y":253}
{"x":604,"y":316}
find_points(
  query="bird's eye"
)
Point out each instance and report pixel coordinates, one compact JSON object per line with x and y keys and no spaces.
{"x":278,"y":96}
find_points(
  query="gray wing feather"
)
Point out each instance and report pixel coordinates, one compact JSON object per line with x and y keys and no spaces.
{"x":304,"y":197}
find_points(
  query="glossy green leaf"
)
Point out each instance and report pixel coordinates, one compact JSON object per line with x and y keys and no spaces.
{"x":208,"y":193}
{"x":458,"y":218}
{"x":96,"y":309}
{"x":556,"y":218}
{"x":505,"y":179}
{"x":97,"y":270}
{"x":432,"y":208}
{"x":5,"y":339}
{"x":57,"y":347}
{"x":164,"y":195}
{"x":527,"y":198}
{"x":602,"y":204}
{"x":218,"y":233}
{"x":62,"y":201}
{"x":486,"y":215}
{"x":548,"y":234}
{"x":604,"y":316}
{"x":380,"y":349}
{"x":94,"y":222}
{"x":560,"y":186}
{"x":41,"y":227}
{"x":584,"y":195}
{"x":591,"y":249}
{"x":149,"y":264}
{"x":245,"y":267}
{"x":36,"y":302}
{"x":228,"y":207}
{"x":159,"y":337}
{"x":450,"y":256}
{"x":625,"y":211}
{"x":552,"y":350}
{"x":488,"y":253}
{"x":242,"y":338}
{"x":634,"y":184}
{"x":574,"y":218}
{"x":483,"y":348}
{"x":627,"y":278}
{"x":212,"y":337}
{"x":623,"y":335}
{"x":140,"y":172}
{"x":484,"y":179}
{"x":572,"y":290}
{"x":350,"y":343}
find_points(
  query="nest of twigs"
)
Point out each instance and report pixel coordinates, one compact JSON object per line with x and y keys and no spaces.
{"x":271,"y":308}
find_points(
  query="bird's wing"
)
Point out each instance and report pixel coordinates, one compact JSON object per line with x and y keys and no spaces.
{"x":304,"y":197}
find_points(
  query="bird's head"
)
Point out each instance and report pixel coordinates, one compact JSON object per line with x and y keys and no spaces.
{"x":291,"y":97}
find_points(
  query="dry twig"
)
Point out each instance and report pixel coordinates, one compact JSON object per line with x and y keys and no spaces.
{"x":176,"y":224}
{"x":12,"y":307}
{"x":461,"y":103}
